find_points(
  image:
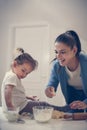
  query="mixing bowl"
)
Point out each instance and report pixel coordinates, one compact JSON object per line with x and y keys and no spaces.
{"x":42,"y":113}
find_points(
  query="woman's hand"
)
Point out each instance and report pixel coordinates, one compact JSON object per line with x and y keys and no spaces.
{"x":50,"y":92}
{"x":78,"y":105}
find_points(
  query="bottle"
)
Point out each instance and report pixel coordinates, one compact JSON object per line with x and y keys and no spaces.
{"x":76,"y":116}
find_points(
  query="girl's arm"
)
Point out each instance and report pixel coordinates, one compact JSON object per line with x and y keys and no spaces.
{"x":8,"y":96}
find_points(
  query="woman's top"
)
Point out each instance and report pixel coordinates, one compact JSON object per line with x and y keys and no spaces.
{"x":75,"y":78}
{"x":59,"y":75}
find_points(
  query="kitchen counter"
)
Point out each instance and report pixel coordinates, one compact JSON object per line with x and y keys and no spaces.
{"x":53,"y":124}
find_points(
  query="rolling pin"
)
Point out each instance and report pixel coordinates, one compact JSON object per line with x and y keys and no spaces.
{"x":76,"y":116}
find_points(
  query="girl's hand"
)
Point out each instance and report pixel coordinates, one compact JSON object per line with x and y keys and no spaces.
{"x":50,"y":92}
{"x":11,"y":108}
{"x":33,"y":98}
{"x":78,"y":105}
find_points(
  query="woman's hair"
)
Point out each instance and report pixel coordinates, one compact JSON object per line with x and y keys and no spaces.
{"x":21,"y":57}
{"x":71,"y":39}
{"x":76,"y":38}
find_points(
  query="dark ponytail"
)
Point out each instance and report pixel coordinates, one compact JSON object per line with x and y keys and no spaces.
{"x":76,"y":38}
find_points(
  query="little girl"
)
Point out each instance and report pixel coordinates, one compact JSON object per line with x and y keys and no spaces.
{"x":13,"y":93}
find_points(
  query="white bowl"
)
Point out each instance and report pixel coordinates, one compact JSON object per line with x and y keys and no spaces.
{"x":42,"y":113}
{"x":12,"y":116}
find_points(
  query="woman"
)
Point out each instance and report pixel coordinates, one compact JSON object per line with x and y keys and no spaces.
{"x":69,"y":69}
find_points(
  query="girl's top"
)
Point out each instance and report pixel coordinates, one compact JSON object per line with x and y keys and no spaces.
{"x":18,"y":94}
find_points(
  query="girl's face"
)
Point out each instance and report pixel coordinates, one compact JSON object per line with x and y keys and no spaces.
{"x":22,"y":70}
{"x":65,"y":54}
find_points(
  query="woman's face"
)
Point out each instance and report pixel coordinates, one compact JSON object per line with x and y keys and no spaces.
{"x":65,"y":54}
{"x":22,"y":70}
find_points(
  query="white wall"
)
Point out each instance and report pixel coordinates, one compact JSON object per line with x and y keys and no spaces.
{"x":59,"y":14}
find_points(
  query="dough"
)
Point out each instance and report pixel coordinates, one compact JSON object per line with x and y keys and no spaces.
{"x":57,"y":114}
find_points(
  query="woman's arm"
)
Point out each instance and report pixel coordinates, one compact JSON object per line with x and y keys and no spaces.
{"x":78,"y":105}
{"x":53,"y":82}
